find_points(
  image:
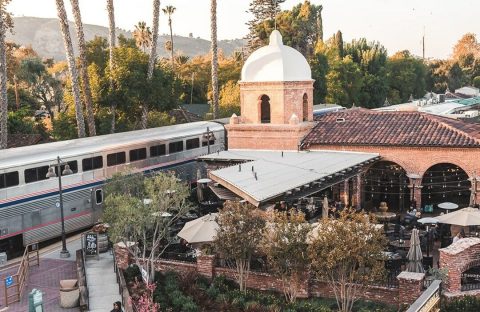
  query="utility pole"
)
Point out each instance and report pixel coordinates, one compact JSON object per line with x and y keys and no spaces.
{"x":423,"y":44}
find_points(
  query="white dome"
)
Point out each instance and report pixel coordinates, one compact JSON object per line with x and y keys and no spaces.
{"x":276,"y":62}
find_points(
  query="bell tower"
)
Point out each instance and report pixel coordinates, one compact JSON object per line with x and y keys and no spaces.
{"x":276,"y":99}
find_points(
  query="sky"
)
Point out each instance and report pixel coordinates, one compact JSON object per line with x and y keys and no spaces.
{"x":397,"y":24}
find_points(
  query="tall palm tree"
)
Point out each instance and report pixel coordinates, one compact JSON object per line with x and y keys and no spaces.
{"x":111,"y":43}
{"x":153,"y":56}
{"x":142,"y":35}
{"x":87,"y":93}
{"x":3,"y":83}
{"x":169,"y":10}
{"x":62,"y":18}
{"x":214,"y":52}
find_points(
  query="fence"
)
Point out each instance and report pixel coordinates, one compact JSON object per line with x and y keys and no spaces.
{"x":15,"y":284}
{"x":128,"y":305}
{"x":82,"y":280}
{"x":429,"y":300}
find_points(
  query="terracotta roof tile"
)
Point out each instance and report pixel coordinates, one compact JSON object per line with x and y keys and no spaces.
{"x":366,"y":127}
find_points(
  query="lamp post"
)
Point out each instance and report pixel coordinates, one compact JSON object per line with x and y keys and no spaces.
{"x":51,"y":174}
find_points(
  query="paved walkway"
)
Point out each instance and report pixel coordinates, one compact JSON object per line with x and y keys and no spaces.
{"x":102,"y":283}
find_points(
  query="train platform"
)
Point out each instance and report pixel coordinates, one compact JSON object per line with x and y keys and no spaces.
{"x":45,"y":277}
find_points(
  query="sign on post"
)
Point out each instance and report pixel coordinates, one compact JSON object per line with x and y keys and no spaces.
{"x":91,"y":244}
{"x":35,"y":301}
{"x":9,"y":281}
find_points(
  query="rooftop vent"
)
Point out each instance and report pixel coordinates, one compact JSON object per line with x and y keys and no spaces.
{"x":339,"y":120}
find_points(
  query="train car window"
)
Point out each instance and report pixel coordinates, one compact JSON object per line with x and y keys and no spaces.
{"x":175,"y":147}
{"x":138,"y":154}
{"x":98,"y":197}
{"x":73,"y":166}
{"x":206,"y":143}
{"x":92,"y":163}
{"x":158,"y":150}
{"x":193,"y":143}
{"x":8,"y":179}
{"x":116,"y":159}
{"x":36,"y":174}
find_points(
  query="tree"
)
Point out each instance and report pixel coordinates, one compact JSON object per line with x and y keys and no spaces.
{"x":339,"y":43}
{"x":153,"y":56}
{"x":344,"y":82}
{"x":142,"y":210}
{"x":87,"y":93}
{"x":111,"y":63}
{"x":319,"y":24}
{"x":285,"y":245}
{"x":169,"y":10}
{"x":3,"y":79}
{"x":214,"y":52}
{"x":476,"y":82}
{"x":347,"y":253}
{"x":62,"y":17}
{"x":229,"y":102}
{"x":239,"y":236}
{"x":143,"y":36}
{"x":262,"y":10}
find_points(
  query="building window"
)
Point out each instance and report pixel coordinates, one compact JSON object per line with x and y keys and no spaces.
{"x":116,"y":159}
{"x":98,"y":197}
{"x":36,"y":174}
{"x":265,"y":109}
{"x":138,"y":154}
{"x":175,"y":147}
{"x":193,"y":143}
{"x":157,"y":150}
{"x":8,"y":179}
{"x":92,"y":163}
{"x":305,"y":107}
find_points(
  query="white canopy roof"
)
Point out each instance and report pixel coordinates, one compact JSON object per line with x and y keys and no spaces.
{"x":276,"y":62}
{"x":279,"y":172}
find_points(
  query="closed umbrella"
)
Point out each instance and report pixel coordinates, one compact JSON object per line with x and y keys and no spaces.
{"x":463,"y":217}
{"x":201,"y":230}
{"x":325,"y":207}
{"x":199,"y":187}
{"x":414,"y":255}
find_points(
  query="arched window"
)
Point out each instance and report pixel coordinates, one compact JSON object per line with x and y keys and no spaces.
{"x":264,"y":109}
{"x":305,"y":107}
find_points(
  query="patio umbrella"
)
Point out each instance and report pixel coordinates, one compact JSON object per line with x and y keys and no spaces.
{"x":428,"y":220}
{"x":414,"y":255}
{"x":463,"y":217}
{"x":199,"y":187}
{"x":201,"y":230}
{"x":447,"y":206}
{"x":325,"y":207}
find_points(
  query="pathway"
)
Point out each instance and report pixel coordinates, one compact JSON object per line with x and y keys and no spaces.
{"x":102,"y":283}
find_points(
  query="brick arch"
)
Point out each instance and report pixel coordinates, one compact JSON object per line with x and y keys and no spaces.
{"x":265,"y":109}
{"x":436,"y":160}
{"x":402,"y":162}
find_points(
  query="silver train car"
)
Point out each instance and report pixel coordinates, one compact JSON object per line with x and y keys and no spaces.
{"x":29,"y":201}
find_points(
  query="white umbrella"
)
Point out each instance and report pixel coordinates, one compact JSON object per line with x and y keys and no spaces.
{"x":463,"y":217}
{"x":325,"y":207}
{"x":414,"y":255}
{"x":447,"y":206}
{"x":428,"y":220}
{"x":201,"y":230}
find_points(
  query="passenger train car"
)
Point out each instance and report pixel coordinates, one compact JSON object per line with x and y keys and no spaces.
{"x":29,"y":201}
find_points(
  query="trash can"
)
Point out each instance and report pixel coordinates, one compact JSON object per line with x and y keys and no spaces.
{"x":3,"y":258}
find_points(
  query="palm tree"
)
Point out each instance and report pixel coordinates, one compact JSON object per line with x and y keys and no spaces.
{"x":87,"y":93}
{"x":111,"y":41}
{"x":142,"y":36}
{"x":153,"y":56}
{"x":214,"y":52}
{"x":3,"y":83}
{"x":169,"y":10}
{"x":62,"y":17}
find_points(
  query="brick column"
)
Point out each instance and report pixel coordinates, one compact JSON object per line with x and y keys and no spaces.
{"x":344,"y":192}
{"x":357,"y":191}
{"x":122,"y":256}
{"x":410,"y":287}
{"x":206,"y":265}
{"x":415,"y":187}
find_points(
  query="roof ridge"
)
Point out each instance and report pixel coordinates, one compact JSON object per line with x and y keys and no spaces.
{"x":441,"y":121}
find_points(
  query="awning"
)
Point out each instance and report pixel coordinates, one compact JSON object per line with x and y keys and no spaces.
{"x":267,"y":175}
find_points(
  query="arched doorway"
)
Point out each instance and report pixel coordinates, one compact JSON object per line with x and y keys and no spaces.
{"x":445,"y":182}
{"x":305,"y":107}
{"x":386,"y":181}
{"x":265,"y":109}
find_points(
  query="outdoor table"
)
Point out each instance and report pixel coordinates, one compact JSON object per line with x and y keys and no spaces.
{"x":396,"y":243}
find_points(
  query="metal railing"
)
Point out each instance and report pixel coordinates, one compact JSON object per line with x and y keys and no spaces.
{"x":179,"y":256}
{"x":473,"y":286}
{"x":15,"y":284}
{"x":82,"y":280}
{"x":128,"y":305}
{"x":429,"y":300}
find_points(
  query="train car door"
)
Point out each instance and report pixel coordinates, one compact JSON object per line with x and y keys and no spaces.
{"x":97,"y":203}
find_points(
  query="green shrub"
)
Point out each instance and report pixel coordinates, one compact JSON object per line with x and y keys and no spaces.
{"x":131,"y":272}
{"x":202,"y":282}
{"x":464,"y":304}
{"x":213,"y":292}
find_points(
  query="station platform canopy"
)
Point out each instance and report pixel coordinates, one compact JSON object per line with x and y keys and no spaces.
{"x":262,"y":177}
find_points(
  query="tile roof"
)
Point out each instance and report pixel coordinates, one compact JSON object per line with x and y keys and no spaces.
{"x":366,"y":127}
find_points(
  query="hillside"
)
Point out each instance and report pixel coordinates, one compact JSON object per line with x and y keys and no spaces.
{"x":43,"y":34}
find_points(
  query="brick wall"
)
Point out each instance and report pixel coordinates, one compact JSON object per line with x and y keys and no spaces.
{"x":458,"y":258}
